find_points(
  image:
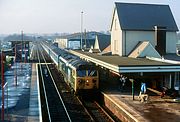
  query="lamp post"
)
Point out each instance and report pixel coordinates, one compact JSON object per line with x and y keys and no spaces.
{"x":81,"y":27}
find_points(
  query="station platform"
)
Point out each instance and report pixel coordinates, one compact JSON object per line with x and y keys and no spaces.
{"x":22,"y":97}
{"x":128,"y":110}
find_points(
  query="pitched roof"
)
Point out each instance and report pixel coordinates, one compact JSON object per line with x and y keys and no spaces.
{"x":134,"y":16}
{"x":107,"y":49}
{"x":144,"y":48}
{"x":103,"y":41}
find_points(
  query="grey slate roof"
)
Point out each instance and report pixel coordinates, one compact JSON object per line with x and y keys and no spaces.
{"x":133,"y":16}
{"x":104,"y":41}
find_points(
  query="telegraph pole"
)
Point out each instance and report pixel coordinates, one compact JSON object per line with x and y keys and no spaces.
{"x":81,"y":28}
{"x":85,"y":38}
{"x":21,"y":46}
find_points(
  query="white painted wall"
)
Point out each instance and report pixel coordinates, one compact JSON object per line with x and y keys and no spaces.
{"x":62,"y":43}
{"x":96,"y":44}
{"x":116,"y":36}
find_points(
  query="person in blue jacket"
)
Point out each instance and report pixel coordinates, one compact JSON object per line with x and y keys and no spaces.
{"x":143,"y":96}
{"x":143,"y":88}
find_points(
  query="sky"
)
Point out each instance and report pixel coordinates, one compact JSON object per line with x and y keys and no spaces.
{"x":64,"y":16}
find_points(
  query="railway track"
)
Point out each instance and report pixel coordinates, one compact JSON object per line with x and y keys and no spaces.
{"x":93,"y":109}
{"x":97,"y":113}
{"x":75,"y":109}
{"x":53,"y":106}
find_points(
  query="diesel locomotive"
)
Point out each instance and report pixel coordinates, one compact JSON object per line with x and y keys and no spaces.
{"x":80,"y":75}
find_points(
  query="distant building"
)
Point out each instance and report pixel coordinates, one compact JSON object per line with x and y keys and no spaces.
{"x":134,"y":24}
{"x":73,"y":41}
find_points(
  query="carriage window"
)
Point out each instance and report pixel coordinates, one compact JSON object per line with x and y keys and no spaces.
{"x":81,"y":73}
{"x":92,"y":73}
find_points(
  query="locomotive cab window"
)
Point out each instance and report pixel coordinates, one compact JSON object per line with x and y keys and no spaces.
{"x":73,"y":73}
{"x":81,"y":73}
{"x":92,"y":73}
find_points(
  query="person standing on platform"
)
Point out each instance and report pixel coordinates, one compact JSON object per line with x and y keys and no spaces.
{"x":122,"y":82}
{"x":143,"y":88}
{"x":142,"y":95}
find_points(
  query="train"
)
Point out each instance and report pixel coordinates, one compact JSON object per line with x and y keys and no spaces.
{"x":80,"y":75}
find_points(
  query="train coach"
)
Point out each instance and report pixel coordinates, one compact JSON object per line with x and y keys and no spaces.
{"x":80,"y":75}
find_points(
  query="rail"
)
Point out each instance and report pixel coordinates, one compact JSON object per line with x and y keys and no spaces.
{"x":56,"y":88}
{"x":47,"y":106}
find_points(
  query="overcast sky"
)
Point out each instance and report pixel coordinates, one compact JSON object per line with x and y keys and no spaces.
{"x":58,"y":16}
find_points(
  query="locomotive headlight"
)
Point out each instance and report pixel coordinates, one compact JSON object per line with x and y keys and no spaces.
{"x":87,"y":81}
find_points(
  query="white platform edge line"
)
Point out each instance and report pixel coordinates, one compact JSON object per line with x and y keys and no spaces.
{"x":39,"y":99}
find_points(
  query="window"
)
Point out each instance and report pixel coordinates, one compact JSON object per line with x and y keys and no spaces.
{"x":92,"y":73}
{"x":81,"y":73}
{"x":73,"y":72}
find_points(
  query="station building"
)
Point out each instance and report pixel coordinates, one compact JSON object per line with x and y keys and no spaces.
{"x":142,"y":35}
{"x":73,"y":41}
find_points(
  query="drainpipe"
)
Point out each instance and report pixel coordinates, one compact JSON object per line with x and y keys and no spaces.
{"x":125,"y":43}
